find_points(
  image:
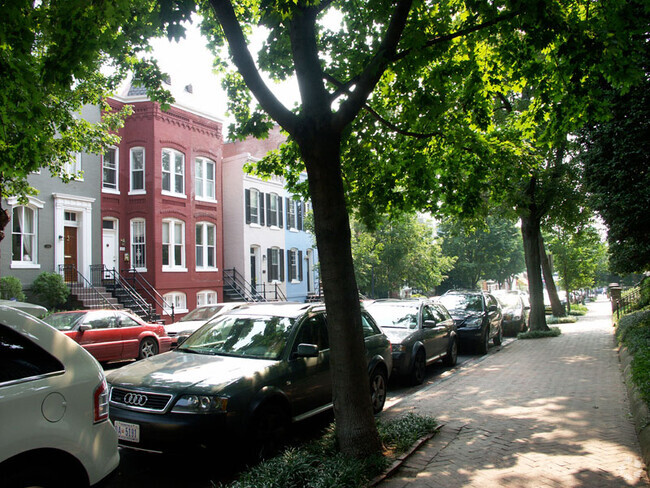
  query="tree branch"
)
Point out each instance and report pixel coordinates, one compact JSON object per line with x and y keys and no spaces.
{"x":244,"y":61}
{"x":375,"y":68}
{"x":460,"y":33}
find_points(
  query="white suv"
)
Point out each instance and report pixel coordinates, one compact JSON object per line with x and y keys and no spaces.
{"x":54,"y":428}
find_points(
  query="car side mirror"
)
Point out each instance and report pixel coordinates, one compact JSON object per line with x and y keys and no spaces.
{"x":306,"y":351}
{"x":84,"y":327}
{"x":429,"y":324}
{"x":492,"y":308}
{"x":526,"y":307}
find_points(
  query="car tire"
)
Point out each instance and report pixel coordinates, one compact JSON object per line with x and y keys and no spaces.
{"x":451,"y":358}
{"x":270,"y":431}
{"x":148,"y":348}
{"x":499,"y":337}
{"x":484,"y":345}
{"x":419,"y":368}
{"x":378,"y":389}
{"x":45,"y":474}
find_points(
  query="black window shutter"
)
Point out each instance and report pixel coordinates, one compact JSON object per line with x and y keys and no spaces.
{"x":301,"y":211}
{"x":247,"y":198}
{"x":260,"y":202}
{"x":280,"y":212}
{"x":269,"y":266}
{"x":299,"y":265}
{"x":281,"y":264}
{"x":289,"y":265}
{"x":287,"y":202}
{"x":268,"y":210}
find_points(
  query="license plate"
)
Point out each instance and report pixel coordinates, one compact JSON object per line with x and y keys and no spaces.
{"x":127,"y":432}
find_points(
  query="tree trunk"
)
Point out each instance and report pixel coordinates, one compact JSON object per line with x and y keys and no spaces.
{"x":556,"y":305}
{"x":355,"y":424}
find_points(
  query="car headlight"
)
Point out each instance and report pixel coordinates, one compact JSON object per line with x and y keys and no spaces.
{"x":200,"y":404}
{"x":397,"y":347}
{"x":474,"y":323}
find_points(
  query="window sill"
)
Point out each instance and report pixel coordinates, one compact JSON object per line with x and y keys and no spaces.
{"x":174,"y":270}
{"x":110,"y":190}
{"x":21,"y":265}
{"x":137,"y":192}
{"x":207,"y":270}
{"x":255,"y":226}
{"x":206,"y":200}
{"x":175,"y":195}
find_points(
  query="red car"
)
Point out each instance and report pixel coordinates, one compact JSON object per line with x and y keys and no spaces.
{"x":112,"y":335}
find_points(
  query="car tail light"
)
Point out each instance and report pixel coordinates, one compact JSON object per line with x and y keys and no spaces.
{"x":100,"y":402}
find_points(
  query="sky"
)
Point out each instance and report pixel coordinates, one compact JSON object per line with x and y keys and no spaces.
{"x":190,"y":62}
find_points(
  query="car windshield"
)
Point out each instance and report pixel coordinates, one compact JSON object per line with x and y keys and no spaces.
{"x":64,"y":321}
{"x":509,"y":300}
{"x":246,"y":336}
{"x":468,"y":303}
{"x":203,"y":313}
{"x":401,"y":316}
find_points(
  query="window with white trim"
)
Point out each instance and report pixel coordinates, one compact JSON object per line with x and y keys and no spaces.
{"x":254,"y":201}
{"x":137,"y":169}
{"x":72,"y":167}
{"x":292,"y":215}
{"x":173,"y":172}
{"x":204,"y":179}
{"x":294,"y":265}
{"x":138,"y":244}
{"x":275,"y":264}
{"x":206,"y":297}
{"x":206,"y":246}
{"x":176,"y":298}
{"x":173,"y":245}
{"x":110,"y":170}
{"x":24,"y":248}
{"x":275,"y":207}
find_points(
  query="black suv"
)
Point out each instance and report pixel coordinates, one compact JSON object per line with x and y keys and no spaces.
{"x":477,"y":316}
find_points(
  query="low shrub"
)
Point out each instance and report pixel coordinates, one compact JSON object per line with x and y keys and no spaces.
{"x":50,"y":289}
{"x":561,"y":320}
{"x":578,"y":309}
{"x":318,"y":464}
{"x":539,"y":334}
{"x":633,"y":331}
{"x":11,"y":288}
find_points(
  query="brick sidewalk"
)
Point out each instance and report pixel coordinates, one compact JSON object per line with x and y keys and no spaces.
{"x":537,"y":413}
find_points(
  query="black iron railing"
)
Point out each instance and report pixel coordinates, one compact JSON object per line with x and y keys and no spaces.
{"x":83,"y":290}
{"x":235,"y":283}
{"x":631,"y":298}
{"x":142,"y":286}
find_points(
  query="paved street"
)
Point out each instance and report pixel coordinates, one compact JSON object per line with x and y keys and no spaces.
{"x":540,"y":413}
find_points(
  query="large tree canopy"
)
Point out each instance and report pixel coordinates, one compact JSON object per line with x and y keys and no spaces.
{"x":55,"y":57}
{"x":396,"y":111}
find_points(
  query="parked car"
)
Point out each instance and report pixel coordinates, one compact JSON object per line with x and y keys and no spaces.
{"x":196,"y":318}
{"x":420,"y":333}
{"x":514,"y":310}
{"x":30,"y":308}
{"x":477,"y":316}
{"x":245,"y":375}
{"x":54,"y":428}
{"x":112,"y":335}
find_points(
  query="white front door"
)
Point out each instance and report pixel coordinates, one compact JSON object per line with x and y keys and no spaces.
{"x":109,"y":244}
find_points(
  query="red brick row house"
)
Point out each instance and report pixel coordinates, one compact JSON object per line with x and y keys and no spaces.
{"x":161,"y":201}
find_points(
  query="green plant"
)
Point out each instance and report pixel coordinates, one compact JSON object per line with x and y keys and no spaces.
{"x":319,"y":464}
{"x":539,"y":334}
{"x":50,"y":289}
{"x":11,"y":287}
{"x":578,"y":309}
{"x":561,"y":320}
{"x":633,"y":331}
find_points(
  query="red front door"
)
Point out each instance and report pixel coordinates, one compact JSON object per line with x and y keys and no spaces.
{"x":70,"y":253}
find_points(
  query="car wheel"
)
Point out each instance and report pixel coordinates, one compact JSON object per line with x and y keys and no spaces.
{"x":484,"y":345}
{"x":148,"y":347}
{"x":499,"y":337}
{"x":45,"y":475}
{"x":270,"y":429}
{"x":378,"y":389}
{"x":451,"y":358}
{"x":419,"y":369}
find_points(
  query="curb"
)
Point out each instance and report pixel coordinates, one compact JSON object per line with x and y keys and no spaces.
{"x":638,"y":407}
{"x":403,"y":457}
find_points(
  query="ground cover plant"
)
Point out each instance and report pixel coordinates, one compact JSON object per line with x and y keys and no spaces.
{"x":633,"y":332}
{"x":320,"y":464}
{"x":578,"y":309}
{"x":540,"y":334}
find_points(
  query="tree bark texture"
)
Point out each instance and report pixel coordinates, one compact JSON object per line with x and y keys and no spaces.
{"x":556,"y":305}
{"x":356,"y":431}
